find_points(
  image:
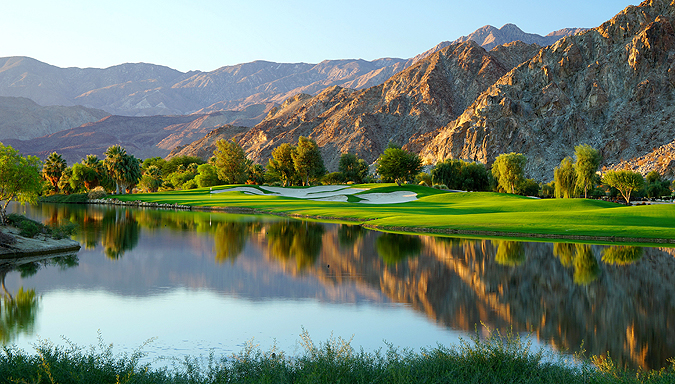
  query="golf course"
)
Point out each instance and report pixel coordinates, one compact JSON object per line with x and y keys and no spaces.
{"x":412,"y":208}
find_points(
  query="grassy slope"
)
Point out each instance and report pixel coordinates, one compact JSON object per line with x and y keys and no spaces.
{"x":483,"y":211}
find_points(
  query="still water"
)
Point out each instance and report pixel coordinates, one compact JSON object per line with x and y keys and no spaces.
{"x":199,"y":282}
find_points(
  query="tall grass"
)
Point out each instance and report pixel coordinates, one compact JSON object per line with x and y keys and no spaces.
{"x":497,"y":358}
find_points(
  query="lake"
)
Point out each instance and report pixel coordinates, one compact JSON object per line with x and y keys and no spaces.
{"x":200,"y":282}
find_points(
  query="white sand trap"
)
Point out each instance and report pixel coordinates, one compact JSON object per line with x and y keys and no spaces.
{"x":314,"y":192}
{"x":328,"y":193}
{"x":340,"y":198}
{"x":388,"y":198}
{"x":247,"y":190}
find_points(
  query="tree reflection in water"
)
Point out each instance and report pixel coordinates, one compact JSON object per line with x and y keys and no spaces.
{"x":582,"y":258}
{"x":586,"y":268}
{"x":509,"y":253}
{"x":621,"y":254}
{"x":394,"y":248}
{"x":229,"y":239}
{"x":121,"y":232}
{"x":18,"y":311}
{"x":348,"y":235}
{"x":295,"y":240}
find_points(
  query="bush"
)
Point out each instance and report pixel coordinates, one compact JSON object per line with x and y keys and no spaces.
{"x":97,"y":193}
{"x":59,"y":232}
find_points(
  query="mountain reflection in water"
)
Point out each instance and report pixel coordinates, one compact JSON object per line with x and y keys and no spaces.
{"x":616,"y":299}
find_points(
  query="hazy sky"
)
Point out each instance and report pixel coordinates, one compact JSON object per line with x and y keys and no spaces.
{"x":207,"y":34}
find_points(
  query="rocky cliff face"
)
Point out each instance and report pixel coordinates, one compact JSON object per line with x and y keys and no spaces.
{"x":23,"y":119}
{"x":489,"y":37}
{"x":425,"y":96}
{"x":610,"y":87}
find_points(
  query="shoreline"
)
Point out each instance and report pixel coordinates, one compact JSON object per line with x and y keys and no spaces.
{"x":41,"y":245}
{"x":403,"y":229}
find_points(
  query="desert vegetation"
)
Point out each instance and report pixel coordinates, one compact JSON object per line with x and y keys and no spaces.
{"x":497,"y":358}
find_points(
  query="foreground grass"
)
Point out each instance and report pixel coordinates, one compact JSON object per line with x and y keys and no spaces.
{"x":445,"y":211}
{"x":496,"y":359}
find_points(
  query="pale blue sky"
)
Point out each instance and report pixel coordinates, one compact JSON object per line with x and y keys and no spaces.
{"x":207,"y":34}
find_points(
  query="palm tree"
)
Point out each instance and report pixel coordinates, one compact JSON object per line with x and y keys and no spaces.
{"x":53,"y":169}
{"x":123,"y":168}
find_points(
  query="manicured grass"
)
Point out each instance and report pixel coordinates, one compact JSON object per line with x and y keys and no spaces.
{"x":495,"y":359}
{"x":445,"y":211}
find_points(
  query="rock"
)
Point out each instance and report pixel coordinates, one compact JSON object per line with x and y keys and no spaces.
{"x":24,"y":246}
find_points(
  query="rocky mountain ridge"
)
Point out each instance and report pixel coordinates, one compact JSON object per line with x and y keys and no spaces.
{"x":427,"y":95}
{"x":141,"y":89}
{"x":489,"y":37}
{"x":610,"y":87}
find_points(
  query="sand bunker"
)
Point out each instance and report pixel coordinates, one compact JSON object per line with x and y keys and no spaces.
{"x":328,"y":193}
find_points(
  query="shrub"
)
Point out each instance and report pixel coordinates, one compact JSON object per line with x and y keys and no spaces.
{"x":29,"y":229}
{"x":62,"y":231}
{"x":97,"y":193}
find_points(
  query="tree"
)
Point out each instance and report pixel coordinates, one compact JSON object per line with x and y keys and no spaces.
{"x":171,"y":166}
{"x":565,"y":178}
{"x":656,"y":186}
{"x":124,"y":169}
{"x":625,"y":181}
{"x":207,"y":176}
{"x":459,"y":174}
{"x":588,"y":160}
{"x":353,"y":168}
{"x":53,"y":168}
{"x":231,"y":162}
{"x":151,"y":179}
{"x":307,"y":160}
{"x":20,"y":179}
{"x":89,"y":173}
{"x":398,"y":165}
{"x":508,"y":170}
{"x":281,"y":166}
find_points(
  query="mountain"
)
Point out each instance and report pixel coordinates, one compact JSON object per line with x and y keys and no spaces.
{"x":141,"y":136}
{"x":147,"y":89}
{"x":24,"y":119}
{"x":610,"y":87}
{"x":489,"y":37}
{"x":419,"y":99}
{"x":140,"y":89}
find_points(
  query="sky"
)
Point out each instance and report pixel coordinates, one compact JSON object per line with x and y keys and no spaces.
{"x":208,"y":34}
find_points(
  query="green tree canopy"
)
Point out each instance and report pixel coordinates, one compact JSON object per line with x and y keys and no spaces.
{"x":308,"y":161}
{"x":151,"y":179}
{"x":20,"y":178}
{"x":656,"y":186}
{"x":508,"y":170}
{"x":53,"y":168}
{"x":459,"y":174}
{"x":281,"y":166}
{"x":231,"y":162}
{"x":398,"y":165}
{"x":207,"y":176}
{"x":565,"y":178}
{"x":624,"y":181}
{"x":353,"y":168}
{"x":587,"y":163}
{"x":123,"y":168}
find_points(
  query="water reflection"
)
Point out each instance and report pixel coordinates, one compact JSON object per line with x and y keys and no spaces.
{"x":295,"y":240}
{"x":610,"y":298}
{"x":394,"y":248}
{"x":18,"y":311}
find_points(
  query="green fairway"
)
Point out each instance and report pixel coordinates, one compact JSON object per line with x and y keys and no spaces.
{"x":447,"y":212}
